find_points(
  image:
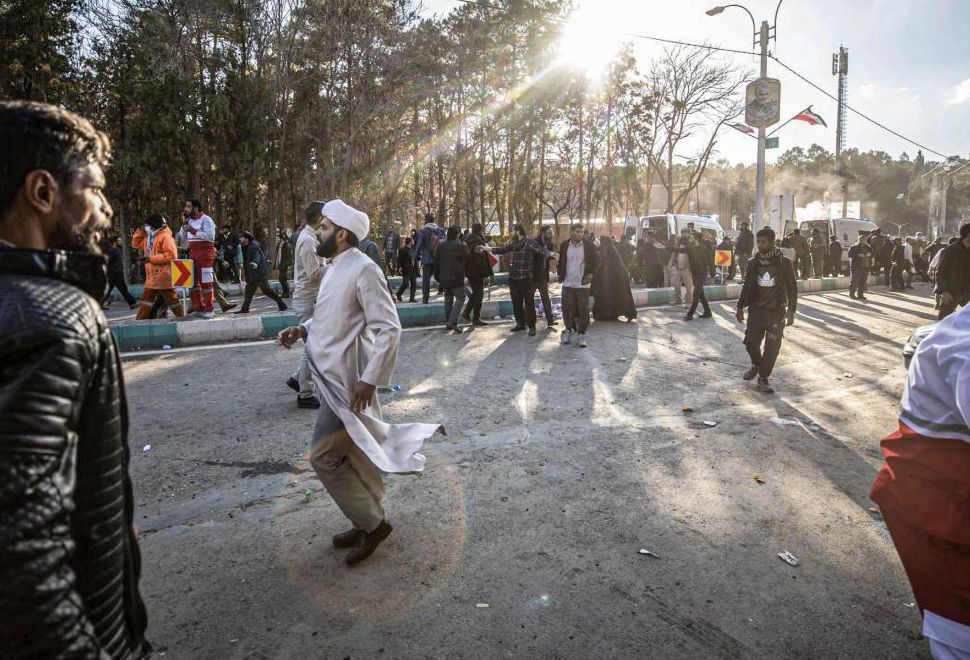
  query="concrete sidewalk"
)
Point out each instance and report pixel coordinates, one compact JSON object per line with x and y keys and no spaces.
{"x":136,"y":335}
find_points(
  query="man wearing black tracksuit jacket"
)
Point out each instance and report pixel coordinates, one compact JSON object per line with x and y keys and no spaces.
{"x":771,"y":294}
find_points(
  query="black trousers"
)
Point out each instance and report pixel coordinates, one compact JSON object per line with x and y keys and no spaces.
{"x":285,"y":282}
{"x":859,"y":282}
{"x":233,"y":270}
{"x":427,"y":270}
{"x":254,"y":282}
{"x":473,"y":308}
{"x":543,"y":288}
{"x":699,"y":296}
{"x":946,"y":310}
{"x":117,"y":281}
{"x":523,"y":294}
{"x":896,"y":276}
{"x":768,"y":327}
{"x":408,"y":279}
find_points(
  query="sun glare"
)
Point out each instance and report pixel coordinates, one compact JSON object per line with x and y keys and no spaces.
{"x":589,"y":40}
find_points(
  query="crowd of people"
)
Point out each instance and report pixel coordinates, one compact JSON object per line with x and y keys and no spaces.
{"x":69,"y":557}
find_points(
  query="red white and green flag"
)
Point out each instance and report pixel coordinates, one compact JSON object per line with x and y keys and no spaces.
{"x":813,"y":118}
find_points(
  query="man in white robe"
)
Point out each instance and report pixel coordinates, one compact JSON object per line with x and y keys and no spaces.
{"x":352,"y":343}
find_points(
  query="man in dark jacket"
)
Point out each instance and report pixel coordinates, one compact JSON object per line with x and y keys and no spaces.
{"x":803,"y":253}
{"x":477,"y":269}
{"x":69,"y":561}
{"x":819,"y":246}
{"x":701,"y":267}
{"x":116,"y":273}
{"x":953,"y":275}
{"x":899,"y":265}
{"x":860,"y":262}
{"x":540,"y":274}
{"x":771,"y":294}
{"x":392,"y":243}
{"x":452,"y":261}
{"x":284,"y":260}
{"x":652,"y":258}
{"x":226,"y":243}
{"x":743,"y":247}
{"x":833,"y":260}
{"x":257,"y":273}
{"x":424,"y":251}
{"x":578,"y":263}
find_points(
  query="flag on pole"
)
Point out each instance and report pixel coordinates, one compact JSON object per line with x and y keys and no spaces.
{"x":808,"y":116}
{"x":743,"y":128}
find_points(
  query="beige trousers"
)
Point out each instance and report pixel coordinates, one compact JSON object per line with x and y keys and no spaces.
{"x":348,"y":475}
{"x":680,"y":276}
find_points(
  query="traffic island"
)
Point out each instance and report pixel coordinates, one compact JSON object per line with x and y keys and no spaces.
{"x":142,"y":335}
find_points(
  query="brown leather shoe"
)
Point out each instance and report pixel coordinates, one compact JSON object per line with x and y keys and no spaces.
{"x":347,"y":539}
{"x":367,"y":543}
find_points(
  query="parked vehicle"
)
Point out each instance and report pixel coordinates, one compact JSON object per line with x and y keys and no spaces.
{"x":847,"y":229}
{"x":672,"y":224}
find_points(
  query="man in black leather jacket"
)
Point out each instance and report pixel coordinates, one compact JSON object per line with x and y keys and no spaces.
{"x":69,"y":561}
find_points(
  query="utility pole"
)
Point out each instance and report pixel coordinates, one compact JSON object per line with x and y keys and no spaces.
{"x":840,"y":68}
{"x":761,"y":39}
{"x":759,"y":194}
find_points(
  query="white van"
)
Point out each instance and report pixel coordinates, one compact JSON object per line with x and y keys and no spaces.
{"x":847,"y":230}
{"x":672,"y":224}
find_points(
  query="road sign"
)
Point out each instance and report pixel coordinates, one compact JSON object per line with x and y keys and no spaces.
{"x":182,"y":270}
{"x":722,"y":257}
{"x":762,"y":100}
{"x":771,"y":143}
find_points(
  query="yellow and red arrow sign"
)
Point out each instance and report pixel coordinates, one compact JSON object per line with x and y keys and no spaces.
{"x":182,"y":270}
{"x":722,"y":257}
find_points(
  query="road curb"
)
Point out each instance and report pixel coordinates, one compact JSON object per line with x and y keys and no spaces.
{"x":136,"y":335}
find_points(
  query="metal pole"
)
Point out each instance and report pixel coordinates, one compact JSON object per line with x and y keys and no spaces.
{"x":944,"y":180}
{"x":759,"y":198}
{"x":841,"y":67}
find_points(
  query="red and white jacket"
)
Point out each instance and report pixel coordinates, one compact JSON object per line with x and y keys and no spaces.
{"x":926,"y":477}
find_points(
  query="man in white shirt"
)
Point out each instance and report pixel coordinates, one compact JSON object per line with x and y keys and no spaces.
{"x":352,"y":343}
{"x":307,"y":273}
{"x":578,"y":260}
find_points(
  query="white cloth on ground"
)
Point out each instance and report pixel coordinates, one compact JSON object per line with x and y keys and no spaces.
{"x":353,"y":337}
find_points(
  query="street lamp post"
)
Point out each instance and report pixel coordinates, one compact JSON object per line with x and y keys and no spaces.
{"x":761,"y":38}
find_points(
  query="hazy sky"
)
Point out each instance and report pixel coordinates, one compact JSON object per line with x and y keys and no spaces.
{"x":909,"y":63}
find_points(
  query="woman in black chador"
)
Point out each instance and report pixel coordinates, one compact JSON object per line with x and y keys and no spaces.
{"x":611,"y":286}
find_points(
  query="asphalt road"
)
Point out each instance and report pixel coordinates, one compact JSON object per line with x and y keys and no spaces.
{"x":560,"y":464}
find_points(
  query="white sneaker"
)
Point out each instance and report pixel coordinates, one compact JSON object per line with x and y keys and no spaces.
{"x":564,"y":338}
{"x":582,"y":340}
{"x":208,"y":315}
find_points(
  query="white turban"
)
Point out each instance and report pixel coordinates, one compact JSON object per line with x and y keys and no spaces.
{"x":347,"y":217}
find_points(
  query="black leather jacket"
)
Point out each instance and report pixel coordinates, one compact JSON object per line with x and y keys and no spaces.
{"x":69,"y":562}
